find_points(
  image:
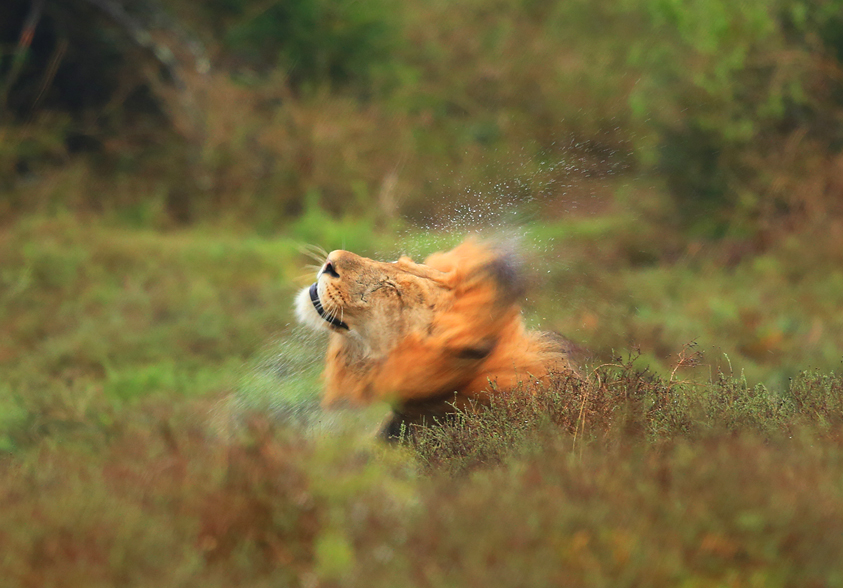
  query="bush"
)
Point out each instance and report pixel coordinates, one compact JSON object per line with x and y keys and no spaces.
{"x":337,"y":42}
{"x":620,"y":404}
{"x":742,"y":98}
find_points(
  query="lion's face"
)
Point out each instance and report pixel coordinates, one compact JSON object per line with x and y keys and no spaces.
{"x":371,"y":302}
{"x":406,"y":332}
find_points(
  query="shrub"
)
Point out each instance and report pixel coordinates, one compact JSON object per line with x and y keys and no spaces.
{"x":618,"y":403}
{"x":337,"y":42}
{"x":742,"y":98}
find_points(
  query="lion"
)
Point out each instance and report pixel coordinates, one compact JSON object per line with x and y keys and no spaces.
{"x":429,"y":338}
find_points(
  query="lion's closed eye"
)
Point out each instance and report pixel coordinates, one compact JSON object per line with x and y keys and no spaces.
{"x":385,"y":285}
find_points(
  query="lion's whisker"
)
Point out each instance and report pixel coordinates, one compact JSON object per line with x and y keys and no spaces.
{"x":314,"y":249}
{"x":338,"y":310}
{"x":314,"y":252}
{"x":317,"y":258}
{"x":320,"y":251}
{"x":330,"y":308}
{"x":317,"y":254}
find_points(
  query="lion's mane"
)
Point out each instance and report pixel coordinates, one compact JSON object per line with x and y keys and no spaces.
{"x":426,"y":337}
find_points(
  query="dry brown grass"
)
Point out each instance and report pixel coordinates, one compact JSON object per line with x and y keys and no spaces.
{"x":622,"y":480}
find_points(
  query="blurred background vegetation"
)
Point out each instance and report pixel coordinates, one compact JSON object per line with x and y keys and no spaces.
{"x":677,"y":164}
{"x":672,"y":168}
{"x":241,"y":108}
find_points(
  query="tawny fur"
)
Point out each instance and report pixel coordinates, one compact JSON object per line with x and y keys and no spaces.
{"x":448,"y":329}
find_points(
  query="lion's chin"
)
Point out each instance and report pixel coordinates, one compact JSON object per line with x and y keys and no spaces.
{"x":307,"y":315}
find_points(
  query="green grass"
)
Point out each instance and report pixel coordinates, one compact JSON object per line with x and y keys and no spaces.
{"x":159,"y":421}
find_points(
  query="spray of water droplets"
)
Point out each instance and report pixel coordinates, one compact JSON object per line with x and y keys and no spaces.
{"x":283,"y":379}
{"x":507,"y":208}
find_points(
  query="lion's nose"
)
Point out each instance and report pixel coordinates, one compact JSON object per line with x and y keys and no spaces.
{"x":329,"y":269}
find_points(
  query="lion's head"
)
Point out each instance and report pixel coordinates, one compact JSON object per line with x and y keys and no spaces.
{"x":371,"y":303}
{"x":377,"y":303}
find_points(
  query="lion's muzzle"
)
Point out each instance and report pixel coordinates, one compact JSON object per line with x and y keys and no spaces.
{"x":317,"y":304}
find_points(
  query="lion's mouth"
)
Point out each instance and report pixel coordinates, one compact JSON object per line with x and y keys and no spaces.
{"x":317,"y":304}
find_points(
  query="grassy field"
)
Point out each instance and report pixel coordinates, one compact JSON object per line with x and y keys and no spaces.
{"x":160,"y":423}
{"x":671,"y":173}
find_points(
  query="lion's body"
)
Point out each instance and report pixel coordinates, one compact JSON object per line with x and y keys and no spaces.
{"x":426,"y":336}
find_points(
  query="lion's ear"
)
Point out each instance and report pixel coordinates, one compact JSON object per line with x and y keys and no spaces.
{"x":419,"y":270}
{"x":493,"y":274}
{"x":505,"y":270}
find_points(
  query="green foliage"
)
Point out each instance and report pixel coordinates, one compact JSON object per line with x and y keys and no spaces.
{"x":726,"y":85}
{"x":315,"y":41}
{"x":139,"y":316}
{"x":315,"y":226}
{"x":731,"y":105}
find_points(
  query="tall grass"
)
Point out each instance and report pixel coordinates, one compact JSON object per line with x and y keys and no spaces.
{"x":622,"y":478}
